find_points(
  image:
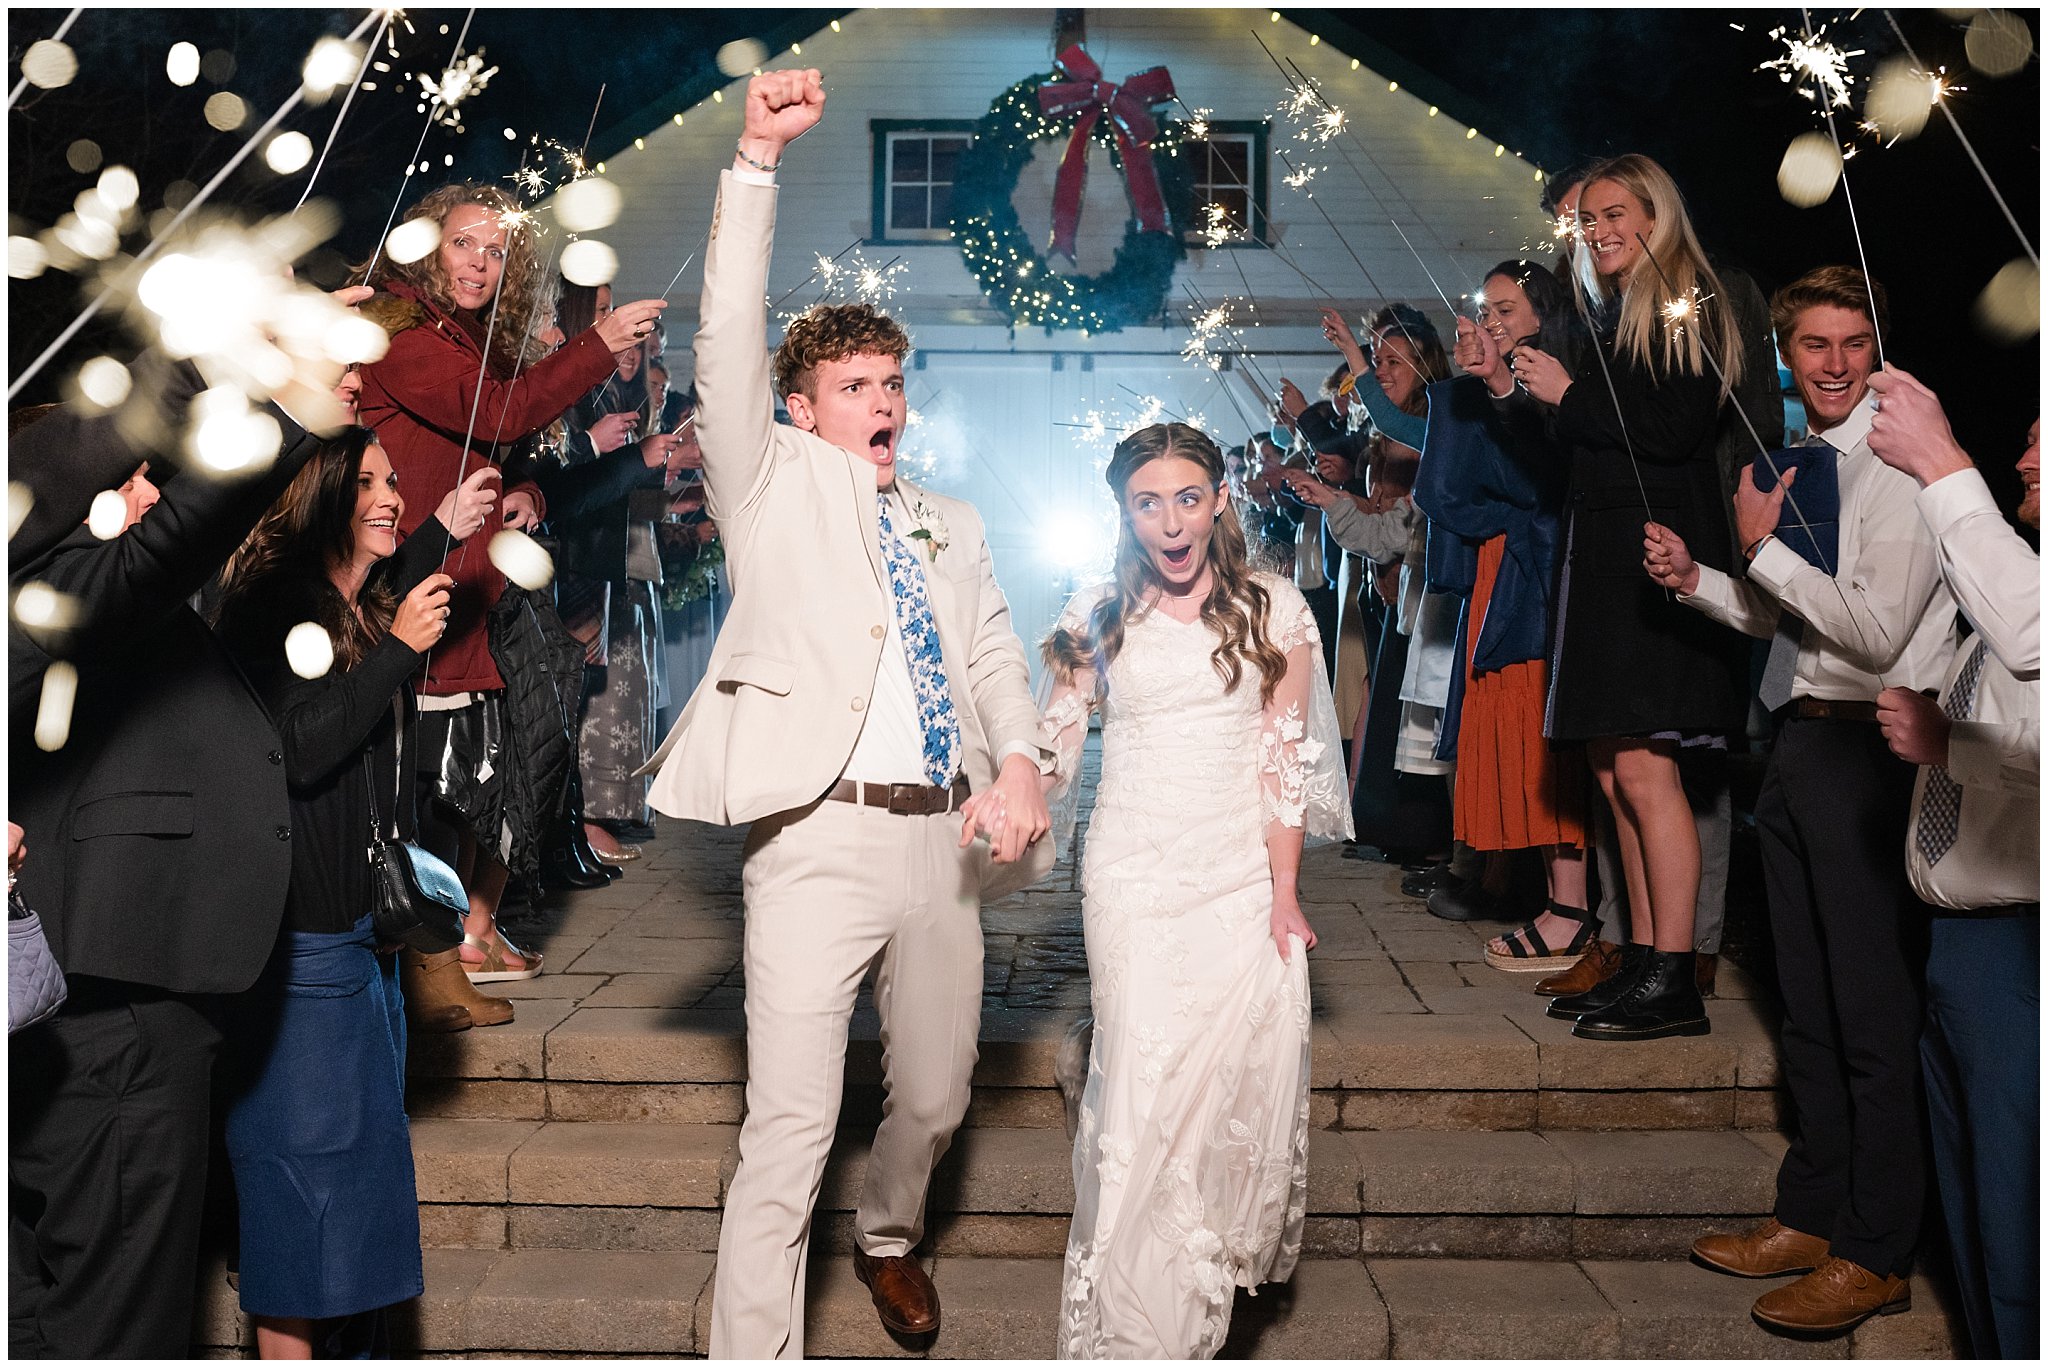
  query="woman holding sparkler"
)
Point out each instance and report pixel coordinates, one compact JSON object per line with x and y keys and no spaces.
{"x":463,"y":320}
{"x":1635,"y":675}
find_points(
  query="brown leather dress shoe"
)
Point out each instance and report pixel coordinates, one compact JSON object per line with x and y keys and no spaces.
{"x":1769,"y":1251}
{"x":1596,"y":966}
{"x":1836,"y":1297}
{"x":904,"y":1296}
{"x":434,"y":983}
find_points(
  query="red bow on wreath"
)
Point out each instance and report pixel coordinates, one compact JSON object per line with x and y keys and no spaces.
{"x":1084,"y":93}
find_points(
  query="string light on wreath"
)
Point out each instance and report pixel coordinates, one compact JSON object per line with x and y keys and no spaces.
{"x":1006,"y":261}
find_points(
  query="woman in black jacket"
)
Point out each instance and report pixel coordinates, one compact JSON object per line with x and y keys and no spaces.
{"x":329,"y":617}
{"x":1635,"y":674}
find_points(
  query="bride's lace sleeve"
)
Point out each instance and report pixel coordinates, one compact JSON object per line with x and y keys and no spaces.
{"x":1063,"y":711}
{"x":1301,"y":754}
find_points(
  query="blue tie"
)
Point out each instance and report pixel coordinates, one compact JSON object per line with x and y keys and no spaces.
{"x":920,"y":632}
{"x":1941,"y":801}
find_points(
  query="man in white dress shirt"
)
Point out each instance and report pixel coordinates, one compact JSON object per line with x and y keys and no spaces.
{"x":1830,"y":819}
{"x":866,"y":682}
{"x":1975,"y":851}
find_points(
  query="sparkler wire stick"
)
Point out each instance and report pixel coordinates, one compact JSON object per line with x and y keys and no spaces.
{"x":1963,"y":138}
{"x":369,"y":52}
{"x":58,"y":36}
{"x":1827,"y":109}
{"x":813,"y":272}
{"x":91,"y":310}
{"x":377,"y":253}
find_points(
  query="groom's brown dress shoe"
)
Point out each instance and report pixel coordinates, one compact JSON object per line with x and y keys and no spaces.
{"x":1769,"y":1251}
{"x":904,"y":1296}
{"x":1835,"y":1297}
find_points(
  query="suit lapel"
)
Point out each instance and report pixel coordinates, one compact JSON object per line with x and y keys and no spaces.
{"x":860,"y":485}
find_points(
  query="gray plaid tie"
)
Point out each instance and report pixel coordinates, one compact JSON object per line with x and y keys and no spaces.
{"x":1775,"y":691}
{"x":1941,"y":802}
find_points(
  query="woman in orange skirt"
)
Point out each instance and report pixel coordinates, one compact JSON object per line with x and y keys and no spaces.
{"x":1491,"y":486}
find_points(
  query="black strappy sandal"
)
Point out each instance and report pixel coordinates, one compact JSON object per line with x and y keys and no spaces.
{"x":1529,"y":954}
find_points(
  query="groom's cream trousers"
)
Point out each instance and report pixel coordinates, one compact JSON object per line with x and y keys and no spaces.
{"x":829,"y":890}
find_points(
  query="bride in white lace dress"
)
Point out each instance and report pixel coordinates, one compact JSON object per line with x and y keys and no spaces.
{"x":1219,"y":753}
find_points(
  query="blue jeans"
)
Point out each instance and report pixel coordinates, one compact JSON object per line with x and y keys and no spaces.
{"x":1982,"y":1056}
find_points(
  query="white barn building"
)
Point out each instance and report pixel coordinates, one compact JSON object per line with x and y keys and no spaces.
{"x":1000,"y":407}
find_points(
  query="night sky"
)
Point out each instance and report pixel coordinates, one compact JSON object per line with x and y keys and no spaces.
{"x":1554,"y":85}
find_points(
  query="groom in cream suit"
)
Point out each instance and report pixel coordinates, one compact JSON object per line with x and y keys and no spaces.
{"x":868,"y":710}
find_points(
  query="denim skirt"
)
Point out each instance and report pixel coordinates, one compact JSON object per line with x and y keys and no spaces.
{"x":316,"y":1131}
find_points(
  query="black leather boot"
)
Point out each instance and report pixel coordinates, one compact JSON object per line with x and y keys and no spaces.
{"x":1665,"y":1001}
{"x":566,"y":861}
{"x":1633,"y":958}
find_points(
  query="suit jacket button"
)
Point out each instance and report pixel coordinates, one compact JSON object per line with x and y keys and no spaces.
{"x":277,"y":757}
{"x":859,"y":703}
{"x":284,"y":833}
{"x":876,"y":632}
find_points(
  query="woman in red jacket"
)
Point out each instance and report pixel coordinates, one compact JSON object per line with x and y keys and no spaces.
{"x":462,"y":383}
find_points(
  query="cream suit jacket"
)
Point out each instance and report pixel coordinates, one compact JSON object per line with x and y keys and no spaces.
{"x":776,"y":717}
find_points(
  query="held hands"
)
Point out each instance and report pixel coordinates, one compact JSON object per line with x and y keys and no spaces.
{"x":613,"y":431}
{"x":1757,"y":511}
{"x":1909,"y":431}
{"x":658,"y":449}
{"x":1667,"y":561}
{"x":1914,"y":726}
{"x":1293,"y":403}
{"x":782,"y":106}
{"x":1011,"y":812}
{"x":627,"y":326}
{"x":1541,"y":374}
{"x":1308,"y":488}
{"x":468,"y":505}
{"x":521,"y":511}
{"x":423,"y":616}
{"x":1288,"y":921}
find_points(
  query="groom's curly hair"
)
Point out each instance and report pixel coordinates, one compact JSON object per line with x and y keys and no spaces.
{"x":833,"y":332}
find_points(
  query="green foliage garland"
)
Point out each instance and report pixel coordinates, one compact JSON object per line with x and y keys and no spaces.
{"x":1002,"y":255}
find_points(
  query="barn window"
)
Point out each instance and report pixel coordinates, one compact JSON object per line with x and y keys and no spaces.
{"x":914,"y":178}
{"x":1229,"y":172}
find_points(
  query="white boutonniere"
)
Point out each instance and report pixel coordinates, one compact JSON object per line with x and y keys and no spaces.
{"x":930,"y":529}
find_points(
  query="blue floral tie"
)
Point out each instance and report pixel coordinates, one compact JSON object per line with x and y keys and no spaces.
{"x":1941,"y":801}
{"x":920,"y":631}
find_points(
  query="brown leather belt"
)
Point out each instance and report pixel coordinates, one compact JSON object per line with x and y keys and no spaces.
{"x":905,"y":800}
{"x":1835,"y":709}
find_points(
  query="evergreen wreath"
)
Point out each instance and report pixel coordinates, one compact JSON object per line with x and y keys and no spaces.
{"x":1005,"y":260}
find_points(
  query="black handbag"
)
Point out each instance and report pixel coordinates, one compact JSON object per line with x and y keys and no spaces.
{"x":415,"y":898}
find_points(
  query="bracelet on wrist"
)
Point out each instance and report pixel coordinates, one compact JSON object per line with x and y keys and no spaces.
{"x":1749,"y":553}
{"x":764,"y":167}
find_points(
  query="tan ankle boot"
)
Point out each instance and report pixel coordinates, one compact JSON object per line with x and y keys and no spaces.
{"x":435,"y":983}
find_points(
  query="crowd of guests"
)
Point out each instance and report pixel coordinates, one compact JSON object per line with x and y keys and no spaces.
{"x":1543,"y":559}
{"x":213,"y":777}
{"x":1563,"y":570}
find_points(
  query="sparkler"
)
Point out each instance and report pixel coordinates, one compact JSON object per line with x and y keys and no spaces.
{"x":1829,"y":69}
{"x":91,"y":310}
{"x":444,"y":94}
{"x":56,"y":37}
{"x":362,"y":69}
{"x":378,"y":252}
{"x":1810,"y":57}
{"x":1963,"y":138}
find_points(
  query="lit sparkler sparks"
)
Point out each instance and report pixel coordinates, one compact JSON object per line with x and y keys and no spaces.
{"x":447,"y":92}
{"x":852,"y":274}
{"x":1810,"y":57}
{"x":1197,"y":127}
{"x":1298,"y":176}
{"x":1217,"y":228}
{"x":1683,"y":309}
{"x":1207,"y":327}
{"x":531,"y":181}
{"x":516,"y":220}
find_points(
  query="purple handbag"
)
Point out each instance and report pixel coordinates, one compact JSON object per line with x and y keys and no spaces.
{"x":35,"y":985}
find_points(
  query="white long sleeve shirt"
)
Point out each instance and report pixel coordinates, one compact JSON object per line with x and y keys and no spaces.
{"x":1994,"y":751}
{"x":1884,"y":619}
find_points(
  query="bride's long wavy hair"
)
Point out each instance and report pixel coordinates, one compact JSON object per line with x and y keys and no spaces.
{"x":1235,"y":607}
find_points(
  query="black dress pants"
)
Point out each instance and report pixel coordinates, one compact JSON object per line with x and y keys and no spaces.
{"x":107,"y":1164}
{"x":1851,"y":941}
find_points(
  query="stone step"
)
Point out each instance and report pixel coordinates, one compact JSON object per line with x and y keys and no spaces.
{"x":1008,"y":1192}
{"x":563,"y":1303}
{"x":1486,"y":1058}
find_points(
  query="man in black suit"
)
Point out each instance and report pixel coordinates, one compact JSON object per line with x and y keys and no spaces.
{"x":162,"y":853}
